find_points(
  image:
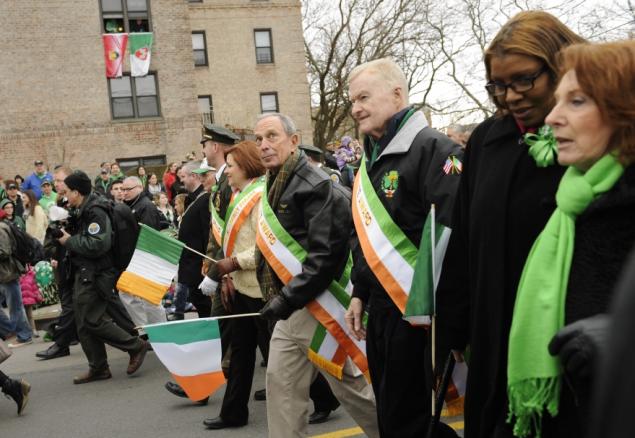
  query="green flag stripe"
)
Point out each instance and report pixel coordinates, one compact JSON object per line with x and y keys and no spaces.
{"x":393,"y":233}
{"x":318,"y":338}
{"x":184,"y":332}
{"x":154,"y":242}
{"x":421,"y":299}
{"x":138,"y":40}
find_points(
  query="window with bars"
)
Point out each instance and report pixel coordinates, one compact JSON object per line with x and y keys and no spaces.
{"x":206,"y":108}
{"x":269,"y":102}
{"x":119,"y":16}
{"x":264,"y":46}
{"x":199,"y":47}
{"x":132,"y":98}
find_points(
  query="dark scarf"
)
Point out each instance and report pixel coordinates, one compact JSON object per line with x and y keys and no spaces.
{"x":270,"y":284}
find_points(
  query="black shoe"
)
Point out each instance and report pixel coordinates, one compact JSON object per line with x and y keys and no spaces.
{"x":175,"y":389}
{"x":52,"y":352}
{"x":318,"y":417}
{"x":219,"y":423}
{"x":18,"y":390}
{"x":260,"y":395}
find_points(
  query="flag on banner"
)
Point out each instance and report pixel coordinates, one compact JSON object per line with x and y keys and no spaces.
{"x":114,"y":48}
{"x":427,"y":272}
{"x":140,"y":48}
{"x":191,"y":352}
{"x":153,"y":266}
{"x":455,"y":395}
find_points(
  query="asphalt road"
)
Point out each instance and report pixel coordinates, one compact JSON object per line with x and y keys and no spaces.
{"x":126,"y":406}
{"x":135,"y":406}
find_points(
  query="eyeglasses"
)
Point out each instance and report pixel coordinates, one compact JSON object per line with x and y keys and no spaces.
{"x":519,"y":85}
{"x":128,"y":189}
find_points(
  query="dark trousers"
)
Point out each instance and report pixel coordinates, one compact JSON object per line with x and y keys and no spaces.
{"x":397,"y":361}
{"x":203,"y":303}
{"x":92,"y":296}
{"x":244,"y":341}
{"x":225,"y":326}
{"x":65,"y":329}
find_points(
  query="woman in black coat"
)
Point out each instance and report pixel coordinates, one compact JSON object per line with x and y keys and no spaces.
{"x":594,"y":122}
{"x":503,"y":203}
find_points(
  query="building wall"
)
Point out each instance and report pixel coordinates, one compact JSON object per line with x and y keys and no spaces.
{"x":54,"y":102}
{"x":229,"y":28}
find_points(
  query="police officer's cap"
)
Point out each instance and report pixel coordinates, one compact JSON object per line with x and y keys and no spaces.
{"x":219,"y":134}
{"x":310,"y":149}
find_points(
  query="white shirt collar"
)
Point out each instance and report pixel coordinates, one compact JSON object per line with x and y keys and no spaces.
{"x":220,"y":171}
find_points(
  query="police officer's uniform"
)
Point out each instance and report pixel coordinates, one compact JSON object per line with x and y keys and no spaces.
{"x":93,"y":275}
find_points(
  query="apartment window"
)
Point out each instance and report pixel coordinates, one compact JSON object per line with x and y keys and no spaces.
{"x":152,"y":163}
{"x":132,"y":98}
{"x":264,"y":47}
{"x":269,"y":102}
{"x":128,"y":16}
{"x":206,"y":108}
{"x":199,"y":46}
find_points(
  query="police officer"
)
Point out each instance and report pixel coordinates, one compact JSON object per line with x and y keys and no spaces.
{"x":94,"y":275}
{"x":315,"y":156}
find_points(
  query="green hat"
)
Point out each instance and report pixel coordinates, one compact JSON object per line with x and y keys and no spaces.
{"x":219,"y":134}
{"x":204,"y":168}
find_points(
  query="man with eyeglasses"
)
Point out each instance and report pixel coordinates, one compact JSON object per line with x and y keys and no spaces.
{"x":142,"y":207}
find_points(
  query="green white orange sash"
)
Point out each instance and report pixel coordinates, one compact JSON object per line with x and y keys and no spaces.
{"x":218,"y":225}
{"x":331,"y":343}
{"x":388,"y":251}
{"x":238,"y":212}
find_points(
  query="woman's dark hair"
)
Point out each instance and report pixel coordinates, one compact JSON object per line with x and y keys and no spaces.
{"x":32,"y":201}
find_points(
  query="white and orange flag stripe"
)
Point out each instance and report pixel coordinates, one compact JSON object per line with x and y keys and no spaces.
{"x":191,"y":351}
{"x":153,"y":266}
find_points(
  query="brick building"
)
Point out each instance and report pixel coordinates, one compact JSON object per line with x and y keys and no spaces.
{"x":220,"y":60}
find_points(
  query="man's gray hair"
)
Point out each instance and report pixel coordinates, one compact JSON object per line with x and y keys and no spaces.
{"x":387,"y":70}
{"x":287,"y":122}
{"x":135,"y":179}
{"x":190,"y":166}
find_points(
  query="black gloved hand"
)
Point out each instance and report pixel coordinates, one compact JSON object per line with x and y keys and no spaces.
{"x":277,"y":308}
{"x":580,"y":344}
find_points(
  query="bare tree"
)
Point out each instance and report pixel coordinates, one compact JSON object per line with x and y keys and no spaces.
{"x":439,"y":45}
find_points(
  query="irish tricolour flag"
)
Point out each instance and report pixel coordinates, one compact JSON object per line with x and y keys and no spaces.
{"x":191,"y":351}
{"x":153,"y":266}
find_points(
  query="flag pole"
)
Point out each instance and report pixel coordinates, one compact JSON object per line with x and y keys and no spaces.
{"x":211,"y":318}
{"x":433,"y":325}
{"x":200,"y":253}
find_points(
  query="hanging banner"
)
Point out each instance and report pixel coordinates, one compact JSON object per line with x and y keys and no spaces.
{"x":140,"y":49}
{"x":114,"y":48}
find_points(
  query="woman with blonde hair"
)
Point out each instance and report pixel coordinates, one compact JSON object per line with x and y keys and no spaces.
{"x":505,"y":198}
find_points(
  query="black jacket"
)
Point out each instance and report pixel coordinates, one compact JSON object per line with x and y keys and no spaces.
{"x":604,"y":236}
{"x":194,"y":232}
{"x":317,"y":214}
{"x":419,"y":162}
{"x":503,"y":203}
{"x":90,"y":245}
{"x":145,"y":211}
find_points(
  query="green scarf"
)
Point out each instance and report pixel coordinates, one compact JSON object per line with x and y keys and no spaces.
{"x":270,"y":284}
{"x":533,"y":375}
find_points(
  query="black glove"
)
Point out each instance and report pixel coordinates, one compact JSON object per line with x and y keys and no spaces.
{"x":277,"y":308}
{"x":580,"y":344}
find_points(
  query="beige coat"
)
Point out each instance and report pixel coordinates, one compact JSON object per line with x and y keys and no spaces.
{"x":245,"y":280}
{"x":36,"y":223}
